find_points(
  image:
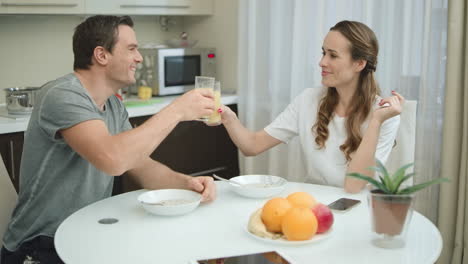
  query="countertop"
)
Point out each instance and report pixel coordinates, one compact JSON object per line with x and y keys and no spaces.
{"x":135,"y":108}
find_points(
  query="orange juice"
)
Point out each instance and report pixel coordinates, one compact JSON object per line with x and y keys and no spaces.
{"x":204,"y":118}
{"x":215,"y":116}
{"x":202,"y":82}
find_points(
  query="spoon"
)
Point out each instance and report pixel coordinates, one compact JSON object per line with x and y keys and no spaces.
{"x":226,"y":180}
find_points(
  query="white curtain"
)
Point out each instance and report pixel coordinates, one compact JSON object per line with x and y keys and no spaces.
{"x":280,"y":48}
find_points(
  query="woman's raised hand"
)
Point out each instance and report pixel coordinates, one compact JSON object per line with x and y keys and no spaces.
{"x":389,"y":107}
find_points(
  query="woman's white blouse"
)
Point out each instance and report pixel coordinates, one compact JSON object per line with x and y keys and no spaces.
{"x":328,"y":165}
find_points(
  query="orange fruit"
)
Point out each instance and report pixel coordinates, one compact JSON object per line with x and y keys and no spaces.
{"x":299,"y":223}
{"x":301,"y":199}
{"x":273,"y":212}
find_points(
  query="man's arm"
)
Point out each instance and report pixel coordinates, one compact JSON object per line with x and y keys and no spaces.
{"x":152,"y":174}
{"x":116,"y":154}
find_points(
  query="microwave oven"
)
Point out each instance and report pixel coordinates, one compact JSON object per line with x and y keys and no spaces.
{"x":170,"y":71}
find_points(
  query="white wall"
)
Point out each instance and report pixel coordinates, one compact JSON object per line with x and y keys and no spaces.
{"x":219,"y":31}
{"x":35,"y":49}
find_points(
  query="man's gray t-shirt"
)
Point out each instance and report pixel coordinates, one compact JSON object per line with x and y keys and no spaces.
{"x":55,"y":180}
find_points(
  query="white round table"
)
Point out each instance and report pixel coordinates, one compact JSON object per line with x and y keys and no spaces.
{"x":218,"y":229}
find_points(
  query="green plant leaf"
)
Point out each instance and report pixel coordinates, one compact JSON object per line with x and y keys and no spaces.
{"x":383,"y":179}
{"x":402,"y":180}
{"x":421,"y":186}
{"x":370,"y":180}
{"x":399,"y":175}
{"x":388,"y":180}
{"x":380,"y":165}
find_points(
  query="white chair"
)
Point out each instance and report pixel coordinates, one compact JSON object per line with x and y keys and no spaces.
{"x":403,"y":152}
{"x":8,"y":199}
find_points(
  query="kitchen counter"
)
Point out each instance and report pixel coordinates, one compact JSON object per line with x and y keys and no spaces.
{"x":135,"y":108}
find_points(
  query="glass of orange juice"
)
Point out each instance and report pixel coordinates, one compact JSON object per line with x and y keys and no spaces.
{"x":215,"y":117}
{"x":203,"y":82}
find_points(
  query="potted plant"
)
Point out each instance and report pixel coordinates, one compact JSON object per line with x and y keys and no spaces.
{"x":389,"y":201}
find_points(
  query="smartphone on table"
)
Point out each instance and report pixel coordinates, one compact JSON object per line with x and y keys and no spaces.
{"x":343,"y":204}
{"x":270,"y":257}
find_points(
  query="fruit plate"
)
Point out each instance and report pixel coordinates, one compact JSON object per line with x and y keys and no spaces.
{"x":283,"y":242}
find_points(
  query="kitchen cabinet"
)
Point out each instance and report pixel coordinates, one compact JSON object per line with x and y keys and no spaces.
{"x":150,"y":7}
{"x":11,"y":148}
{"x":114,"y":7}
{"x":42,"y":6}
{"x":192,"y":148}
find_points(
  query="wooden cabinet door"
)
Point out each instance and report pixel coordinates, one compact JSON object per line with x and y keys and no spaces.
{"x":192,"y":148}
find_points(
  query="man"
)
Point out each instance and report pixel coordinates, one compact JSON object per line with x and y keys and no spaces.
{"x":79,"y":136}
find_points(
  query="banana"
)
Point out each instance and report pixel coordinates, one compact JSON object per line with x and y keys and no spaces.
{"x":257,"y":227}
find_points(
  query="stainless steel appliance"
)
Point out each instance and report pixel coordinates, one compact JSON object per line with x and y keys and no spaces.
{"x":20,"y":100}
{"x":172,"y":70}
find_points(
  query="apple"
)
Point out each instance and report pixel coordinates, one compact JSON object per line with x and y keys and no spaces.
{"x":324,"y":217}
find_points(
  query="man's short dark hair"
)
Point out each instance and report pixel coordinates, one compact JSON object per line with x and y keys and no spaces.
{"x":96,"y":31}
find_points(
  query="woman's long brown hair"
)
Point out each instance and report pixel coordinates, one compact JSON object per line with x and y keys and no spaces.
{"x":364,"y":46}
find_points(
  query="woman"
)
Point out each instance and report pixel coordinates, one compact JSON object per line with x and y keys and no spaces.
{"x":343,"y":126}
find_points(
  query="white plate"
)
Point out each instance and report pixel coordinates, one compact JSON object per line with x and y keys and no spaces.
{"x":258,"y":186}
{"x":283,"y":242}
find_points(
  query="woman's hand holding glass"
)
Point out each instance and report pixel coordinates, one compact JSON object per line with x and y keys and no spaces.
{"x":226,"y":115}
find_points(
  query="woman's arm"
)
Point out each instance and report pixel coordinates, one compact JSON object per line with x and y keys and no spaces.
{"x":250,"y":143}
{"x":364,"y":157}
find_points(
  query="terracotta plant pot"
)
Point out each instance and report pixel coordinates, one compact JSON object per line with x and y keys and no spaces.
{"x":390,"y":213}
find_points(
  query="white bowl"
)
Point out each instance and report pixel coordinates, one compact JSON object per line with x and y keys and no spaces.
{"x":258,"y":186}
{"x":169,"y":201}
